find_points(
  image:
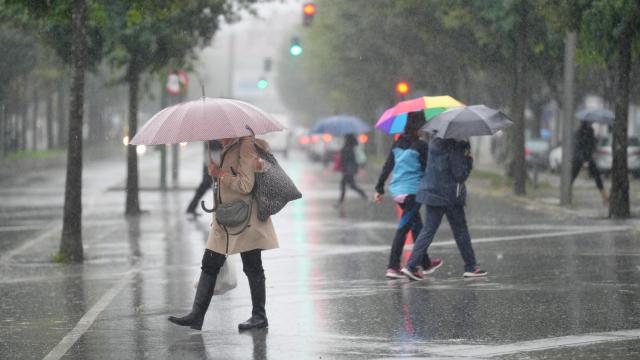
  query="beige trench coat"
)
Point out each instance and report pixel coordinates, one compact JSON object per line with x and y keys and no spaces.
{"x":237,"y":184}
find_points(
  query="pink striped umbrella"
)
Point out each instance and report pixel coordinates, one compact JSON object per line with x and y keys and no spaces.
{"x":205,"y":119}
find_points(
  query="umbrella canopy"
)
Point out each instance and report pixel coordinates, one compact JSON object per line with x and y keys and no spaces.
{"x":394,"y":119}
{"x":340,"y":125}
{"x":205,"y":119}
{"x":600,"y":116}
{"x":467,"y":121}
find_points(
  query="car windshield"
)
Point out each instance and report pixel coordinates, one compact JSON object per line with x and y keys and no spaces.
{"x":537,"y":145}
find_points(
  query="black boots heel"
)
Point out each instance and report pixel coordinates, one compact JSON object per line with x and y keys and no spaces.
{"x":200,"y":303}
{"x":258,"y":318}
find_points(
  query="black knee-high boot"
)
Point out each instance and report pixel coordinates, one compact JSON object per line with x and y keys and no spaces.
{"x":211,"y":264}
{"x":258,"y":296}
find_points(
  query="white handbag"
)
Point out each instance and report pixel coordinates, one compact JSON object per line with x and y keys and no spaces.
{"x":227,"y":278}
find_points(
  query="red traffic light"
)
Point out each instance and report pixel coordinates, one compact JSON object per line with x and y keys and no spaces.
{"x":309,"y":9}
{"x":402,"y":88}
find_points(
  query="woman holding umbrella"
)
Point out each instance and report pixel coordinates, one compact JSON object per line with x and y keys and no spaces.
{"x":233,"y":123}
{"x":585,"y":145}
{"x":236,"y":177}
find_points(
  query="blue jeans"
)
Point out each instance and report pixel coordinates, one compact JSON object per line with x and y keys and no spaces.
{"x":457,"y":221}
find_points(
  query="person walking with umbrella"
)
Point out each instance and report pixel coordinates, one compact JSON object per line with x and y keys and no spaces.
{"x":406,"y":163}
{"x":239,"y":229}
{"x":347,"y":126}
{"x":349,"y":168}
{"x":442,"y":189}
{"x":585,"y":145}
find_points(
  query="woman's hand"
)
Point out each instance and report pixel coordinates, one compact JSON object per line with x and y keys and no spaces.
{"x":377,"y":197}
{"x":214,"y":169}
{"x":259,"y":164}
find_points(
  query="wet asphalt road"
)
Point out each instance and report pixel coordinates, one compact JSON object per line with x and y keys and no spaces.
{"x":559,"y":287}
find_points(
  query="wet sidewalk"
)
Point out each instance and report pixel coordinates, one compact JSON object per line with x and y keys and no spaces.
{"x":560,"y":286}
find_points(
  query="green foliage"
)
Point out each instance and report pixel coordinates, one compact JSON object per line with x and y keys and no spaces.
{"x":19,"y":53}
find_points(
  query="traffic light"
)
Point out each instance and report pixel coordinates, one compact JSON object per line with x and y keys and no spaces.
{"x":262,"y":83}
{"x":295,"y":49}
{"x":403,"y":88}
{"x":308,"y":10}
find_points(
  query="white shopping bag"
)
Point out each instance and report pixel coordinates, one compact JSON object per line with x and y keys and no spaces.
{"x":227,"y":278}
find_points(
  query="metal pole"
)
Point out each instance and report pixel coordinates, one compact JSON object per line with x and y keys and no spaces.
{"x":567,"y":118}
{"x":231,"y":65}
{"x":163,"y":148}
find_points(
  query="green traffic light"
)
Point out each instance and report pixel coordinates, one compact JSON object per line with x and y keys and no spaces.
{"x":263,"y":84}
{"x":295,"y":50}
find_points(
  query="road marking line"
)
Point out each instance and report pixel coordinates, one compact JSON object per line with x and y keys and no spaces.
{"x":537,"y":236}
{"x":89,"y":318}
{"x":489,"y":351}
{"x":6,"y":257}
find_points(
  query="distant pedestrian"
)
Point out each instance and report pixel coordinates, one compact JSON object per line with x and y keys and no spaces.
{"x":443,"y":191}
{"x":349,"y":168}
{"x":406,"y":163}
{"x":207,"y":181}
{"x":236,"y":177}
{"x":585,"y":145}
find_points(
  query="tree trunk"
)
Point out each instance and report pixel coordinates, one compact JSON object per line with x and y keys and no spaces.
{"x":49,"y":119}
{"x":24,"y":115}
{"x":71,"y":242}
{"x":34,"y":121}
{"x":520,"y":95}
{"x":132,"y":202}
{"x":61,"y":113}
{"x":619,"y":202}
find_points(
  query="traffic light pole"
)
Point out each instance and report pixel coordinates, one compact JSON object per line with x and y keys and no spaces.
{"x":163,"y":148}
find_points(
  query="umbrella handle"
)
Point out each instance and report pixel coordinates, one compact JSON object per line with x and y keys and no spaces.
{"x":214,"y":185}
{"x":253,"y":134}
{"x":204,"y":207}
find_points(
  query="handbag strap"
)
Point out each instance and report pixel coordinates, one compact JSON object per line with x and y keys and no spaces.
{"x":246,"y":223}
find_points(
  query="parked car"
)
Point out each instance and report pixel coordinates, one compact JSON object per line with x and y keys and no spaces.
{"x":604,"y":157}
{"x":536,"y":153}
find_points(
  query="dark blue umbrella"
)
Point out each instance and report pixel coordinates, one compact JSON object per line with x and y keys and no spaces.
{"x":339,"y":125}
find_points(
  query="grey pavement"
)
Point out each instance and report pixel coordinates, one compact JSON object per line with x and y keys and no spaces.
{"x":560,"y":285}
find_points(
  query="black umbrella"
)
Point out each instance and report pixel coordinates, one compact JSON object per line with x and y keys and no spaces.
{"x":600,"y":116}
{"x":464,"y":122}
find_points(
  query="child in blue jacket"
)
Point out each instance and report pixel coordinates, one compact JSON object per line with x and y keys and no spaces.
{"x":406,"y":163}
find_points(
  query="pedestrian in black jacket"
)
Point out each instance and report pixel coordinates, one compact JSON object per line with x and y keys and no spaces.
{"x":443,"y":192}
{"x":349,"y":168}
{"x":585,"y":145}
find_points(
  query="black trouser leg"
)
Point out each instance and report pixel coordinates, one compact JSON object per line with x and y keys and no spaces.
{"x":575,"y":169}
{"x":410,"y":220}
{"x":343,"y":188}
{"x":595,"y":173}
{"x":352,"y":184}
{"x":252,"y":267}
{"x":205,"y":185}
{"x":211,"y":264}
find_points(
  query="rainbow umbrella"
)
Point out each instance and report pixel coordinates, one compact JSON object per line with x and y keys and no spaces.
{"x":394,"y":119}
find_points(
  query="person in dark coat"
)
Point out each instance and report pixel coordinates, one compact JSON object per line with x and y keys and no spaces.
{"x":443,"y":191}
{"x":585,"y":145}
{"x":206,"y":182}
{"x":349,"y":168}
{"x":406,"y":164}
